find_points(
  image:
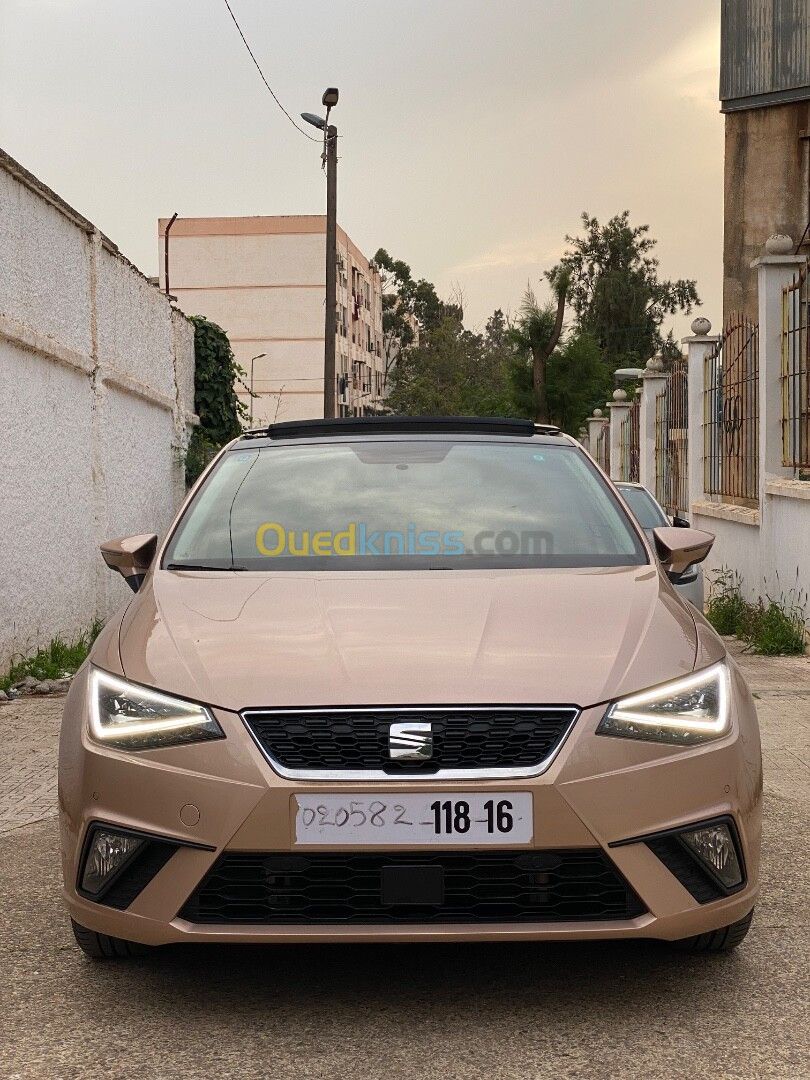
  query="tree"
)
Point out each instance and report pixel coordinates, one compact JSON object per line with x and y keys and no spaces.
{"x":615,"y":291}
{"x":577,"y":380}
{"x":410,"y":308}
{"x":538,"y":332}
{"x":454,"y":372}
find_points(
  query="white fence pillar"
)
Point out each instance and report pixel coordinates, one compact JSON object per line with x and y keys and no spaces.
{"x":619,"y":411}
{"x":775,"y":271}
{"x":697,"y":348}
{"x":595,"y":425}
{"x":653,"y":381}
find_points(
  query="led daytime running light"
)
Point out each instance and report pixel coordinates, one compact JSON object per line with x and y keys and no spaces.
{"x":686,"y":711}
{"x":626,"y":709}
{"x":182,"y":721}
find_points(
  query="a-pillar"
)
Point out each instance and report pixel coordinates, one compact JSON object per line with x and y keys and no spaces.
{"x":697,"y":348}
{"x":653,"y":382}
{"x":619,"y":411}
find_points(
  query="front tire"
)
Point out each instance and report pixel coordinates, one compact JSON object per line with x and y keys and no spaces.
{"x":104,"y":947}
{"x":716,"y":941}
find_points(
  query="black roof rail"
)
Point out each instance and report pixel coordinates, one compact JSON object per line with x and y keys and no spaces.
{"x":403,"y":425}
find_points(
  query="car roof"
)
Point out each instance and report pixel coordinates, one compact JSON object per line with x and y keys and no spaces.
{"x":397,"y":427}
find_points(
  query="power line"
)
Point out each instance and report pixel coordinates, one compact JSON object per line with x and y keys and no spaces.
{"x":264,"y":80}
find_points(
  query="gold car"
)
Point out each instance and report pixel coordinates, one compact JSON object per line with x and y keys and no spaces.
{"x":408,"y":680}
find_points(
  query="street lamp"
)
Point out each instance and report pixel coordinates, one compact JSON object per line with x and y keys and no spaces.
{"x":627,"y":374}
{"x":253,"y":359}
{"x":329,"y":99}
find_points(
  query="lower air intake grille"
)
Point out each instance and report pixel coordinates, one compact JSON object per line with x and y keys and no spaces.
{"x":324,"y":888}
{"x":680,"y":862}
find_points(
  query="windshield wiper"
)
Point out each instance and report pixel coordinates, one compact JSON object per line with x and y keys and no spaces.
{"x":197,"y":566}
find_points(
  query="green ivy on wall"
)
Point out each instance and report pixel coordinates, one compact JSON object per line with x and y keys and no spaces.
{"x":222,"y":415}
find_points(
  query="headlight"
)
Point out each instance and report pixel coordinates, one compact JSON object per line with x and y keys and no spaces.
{"x":687,"y":711}
{"x":133,"y":718}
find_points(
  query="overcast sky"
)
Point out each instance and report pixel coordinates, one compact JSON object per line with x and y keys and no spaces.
{"x":474,"y":132}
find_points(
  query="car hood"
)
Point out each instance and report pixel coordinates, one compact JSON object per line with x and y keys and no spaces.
{"x":412,"y":637}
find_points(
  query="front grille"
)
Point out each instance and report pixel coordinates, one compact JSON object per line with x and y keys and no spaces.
{"x":344,"y":740}
{"x":477,"y":887}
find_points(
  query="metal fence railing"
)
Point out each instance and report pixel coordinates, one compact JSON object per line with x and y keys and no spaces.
{"x":731,"y":414}
{"x":603,"y":448}
{"x":671,"y":441}
{"x":795,"y":375}
{"x":630,"y":443}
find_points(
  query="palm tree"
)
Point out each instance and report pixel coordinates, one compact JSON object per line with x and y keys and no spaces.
{"x":538,"y":331}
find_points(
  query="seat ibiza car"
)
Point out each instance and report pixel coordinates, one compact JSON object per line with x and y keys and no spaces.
{"x":408,"y":680}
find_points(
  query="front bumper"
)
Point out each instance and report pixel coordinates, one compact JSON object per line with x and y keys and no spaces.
{"x":223,"y":797}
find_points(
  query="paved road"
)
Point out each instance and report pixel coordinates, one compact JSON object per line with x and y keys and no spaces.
{"x":387,"y":1012}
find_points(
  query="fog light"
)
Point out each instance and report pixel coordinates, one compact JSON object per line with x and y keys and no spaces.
{"x":714,"y":846}
{"x":108,"y":852}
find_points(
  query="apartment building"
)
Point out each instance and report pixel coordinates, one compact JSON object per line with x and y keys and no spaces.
{"x":262,"y":279}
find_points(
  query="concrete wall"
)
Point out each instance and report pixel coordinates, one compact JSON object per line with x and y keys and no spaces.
{"x":767,"y":190}
{"x":262,"y":279}
{"x":96,"y":403}
{"x":737,"y":546}
{"x":769,"y":550}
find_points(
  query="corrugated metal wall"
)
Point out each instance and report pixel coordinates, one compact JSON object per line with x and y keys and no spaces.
{"x":765,"y":49}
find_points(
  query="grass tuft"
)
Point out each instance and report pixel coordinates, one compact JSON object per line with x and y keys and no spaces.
{"x":776,"y":628}
{"x":726,"y":609}
{"x":54,"y":660}
{"x":770,"y":627}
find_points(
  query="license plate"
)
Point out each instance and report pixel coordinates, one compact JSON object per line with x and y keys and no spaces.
{"x":423,"y":820}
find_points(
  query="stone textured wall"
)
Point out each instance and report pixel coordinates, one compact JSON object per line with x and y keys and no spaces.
{"x":767,"y":190}
{"x":96,"y":404}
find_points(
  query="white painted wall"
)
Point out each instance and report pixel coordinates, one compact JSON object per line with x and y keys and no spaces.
{"x":96,"y":403}
{"x":768,"y":545}
{"x":737,"y":546}
{"x":772,"y":557}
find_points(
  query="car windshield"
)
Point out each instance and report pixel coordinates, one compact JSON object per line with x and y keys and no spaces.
{"x":646,"y":510}
{"x":404,"y":503}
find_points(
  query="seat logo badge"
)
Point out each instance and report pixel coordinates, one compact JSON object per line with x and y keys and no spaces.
{"x":410,"y":742}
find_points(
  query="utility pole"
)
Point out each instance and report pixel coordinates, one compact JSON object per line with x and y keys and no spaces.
{"x":330,"y":322}
{"x":330,"y":137}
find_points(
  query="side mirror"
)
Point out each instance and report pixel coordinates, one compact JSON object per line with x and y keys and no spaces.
{"x":680,"y":523}
{"x":131,"y":556}
{"x":678,"y":548}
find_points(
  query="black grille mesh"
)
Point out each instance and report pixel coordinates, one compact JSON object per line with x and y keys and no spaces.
{"x":680,"y":862}
{"x":340,"y":887}
{"x":465,"y":739}
{"x":137,"y":874}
